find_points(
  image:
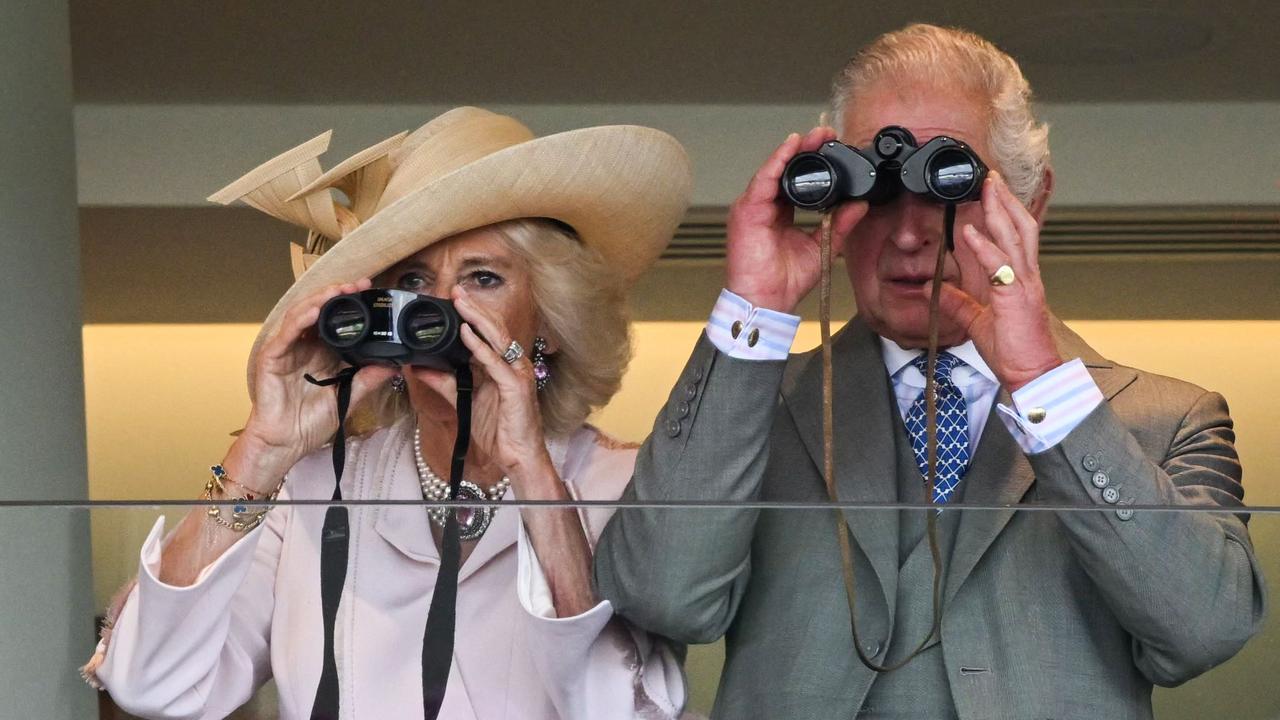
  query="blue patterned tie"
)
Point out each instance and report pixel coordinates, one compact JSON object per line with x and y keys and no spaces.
{"x":953,"y":428}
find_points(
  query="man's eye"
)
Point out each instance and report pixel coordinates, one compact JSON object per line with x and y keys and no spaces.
{"x":486,"y":279}
{"x":411,"y":281}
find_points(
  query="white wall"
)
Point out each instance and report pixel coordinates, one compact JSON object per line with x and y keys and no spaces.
{"x":1105,"y":154}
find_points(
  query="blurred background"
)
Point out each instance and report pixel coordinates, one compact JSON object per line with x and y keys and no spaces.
{"x":132,"y":301}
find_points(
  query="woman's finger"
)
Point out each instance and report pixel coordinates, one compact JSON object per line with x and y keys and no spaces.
{"x":490,"y":327}
{"x":499,"y":370}
{"x":368,"y":379}
{"x":444,"y":384}
{"x":302,"y":316}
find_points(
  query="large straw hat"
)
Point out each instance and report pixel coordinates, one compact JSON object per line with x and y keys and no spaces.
{"x":623,"y":189}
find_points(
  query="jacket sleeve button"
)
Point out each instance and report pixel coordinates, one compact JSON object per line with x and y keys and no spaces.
{"x":673,"y":428}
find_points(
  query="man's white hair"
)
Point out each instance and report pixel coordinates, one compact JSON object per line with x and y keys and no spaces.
{"x":958,"y":59}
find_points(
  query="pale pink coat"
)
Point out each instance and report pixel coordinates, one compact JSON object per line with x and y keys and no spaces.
{"x":203,"y":650}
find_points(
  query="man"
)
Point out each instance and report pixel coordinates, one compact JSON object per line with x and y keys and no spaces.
{"x":1064,"y":614}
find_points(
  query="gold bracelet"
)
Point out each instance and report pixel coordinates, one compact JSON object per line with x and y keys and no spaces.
{"x":242,"y":518}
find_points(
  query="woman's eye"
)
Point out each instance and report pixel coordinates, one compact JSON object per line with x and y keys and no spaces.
{"x":411,"y":281}
{"x":486,"y":279}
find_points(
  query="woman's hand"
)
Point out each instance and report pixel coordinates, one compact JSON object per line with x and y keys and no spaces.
{"x":506,"y":421}
{"x":290,"y":416}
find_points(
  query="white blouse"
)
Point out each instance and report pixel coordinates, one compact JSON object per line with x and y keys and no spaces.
{"x":202,"y":651}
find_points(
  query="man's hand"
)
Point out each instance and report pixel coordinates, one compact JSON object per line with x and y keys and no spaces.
{"x":1012,"y":332}
{"x":771,"y":263}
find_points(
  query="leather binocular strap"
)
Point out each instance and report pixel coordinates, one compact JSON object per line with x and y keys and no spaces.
{"x":437,"y":638}
{"x":931,"y":414}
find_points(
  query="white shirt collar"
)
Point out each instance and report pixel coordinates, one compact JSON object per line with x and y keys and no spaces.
{"x":896,"y":357}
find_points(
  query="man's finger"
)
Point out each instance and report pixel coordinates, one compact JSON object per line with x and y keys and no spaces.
{"x":990,"y":257}
{"x":815,"y":139}
{"x":763,"y":187}
{"x":999,"y":225}
{"x":957,"y":305}
{"x":1025,"y":224}
{"x":844,"y":218}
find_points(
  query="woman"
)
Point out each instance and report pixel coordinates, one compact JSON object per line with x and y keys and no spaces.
{"x":535,"y":242}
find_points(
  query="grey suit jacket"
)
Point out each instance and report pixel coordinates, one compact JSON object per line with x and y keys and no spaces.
{"x":1046,"y":614}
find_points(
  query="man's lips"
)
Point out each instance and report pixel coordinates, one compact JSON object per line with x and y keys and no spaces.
{"x":910,"y":283}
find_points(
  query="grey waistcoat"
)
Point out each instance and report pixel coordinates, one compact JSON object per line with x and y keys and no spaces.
{"x":920,"y":689}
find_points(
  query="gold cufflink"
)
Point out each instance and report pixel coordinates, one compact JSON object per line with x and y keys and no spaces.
{"x":736,"y":329}
{"x":1036,"y":414}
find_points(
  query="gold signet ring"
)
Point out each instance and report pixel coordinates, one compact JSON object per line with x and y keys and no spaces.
{"x":1002,"y":276}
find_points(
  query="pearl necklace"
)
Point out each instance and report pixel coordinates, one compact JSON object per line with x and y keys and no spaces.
{"x":472,"y":521}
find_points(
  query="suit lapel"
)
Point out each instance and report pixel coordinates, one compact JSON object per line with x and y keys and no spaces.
{"x":864,"y":453}
{"x":1000,"y":473}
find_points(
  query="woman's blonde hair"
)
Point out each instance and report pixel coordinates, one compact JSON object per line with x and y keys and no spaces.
{"x":582,"y":306}
{"x":960,"y":59}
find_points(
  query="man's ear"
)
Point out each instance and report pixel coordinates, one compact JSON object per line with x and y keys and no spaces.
{"x":1040,"y":203}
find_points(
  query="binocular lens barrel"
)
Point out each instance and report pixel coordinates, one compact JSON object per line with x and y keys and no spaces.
{"x":951,"y":174}
{"x":343,"y":322}
{"x":809,"y":181}
{"x":423,"y":324}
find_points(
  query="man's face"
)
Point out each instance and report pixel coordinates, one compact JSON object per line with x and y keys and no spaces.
{"x":892,"y":252}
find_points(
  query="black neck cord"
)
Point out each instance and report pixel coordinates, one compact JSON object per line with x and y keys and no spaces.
{"x":335,"y":538}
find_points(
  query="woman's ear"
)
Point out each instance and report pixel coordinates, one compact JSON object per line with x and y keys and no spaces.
{"x":1040,"y":203}
{"x":553,"y":346}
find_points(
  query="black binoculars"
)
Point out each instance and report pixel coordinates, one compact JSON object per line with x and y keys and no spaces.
{"x":944,"y":170}
{"x":393,"y":327}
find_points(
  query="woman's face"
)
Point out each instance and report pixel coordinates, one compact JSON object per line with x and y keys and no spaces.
{"x":482,"y":264}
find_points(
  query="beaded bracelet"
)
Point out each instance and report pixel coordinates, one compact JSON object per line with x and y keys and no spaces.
{"x":242,"y":518}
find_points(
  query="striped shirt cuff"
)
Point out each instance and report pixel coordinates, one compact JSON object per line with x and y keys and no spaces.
{"x":1051,"y":406}
{"x":740,"y":330}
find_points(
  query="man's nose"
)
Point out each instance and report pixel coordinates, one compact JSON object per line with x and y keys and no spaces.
{"x":917,"y":223}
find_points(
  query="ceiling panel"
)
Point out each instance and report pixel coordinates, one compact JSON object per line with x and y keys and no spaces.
{"x":572,"y":51}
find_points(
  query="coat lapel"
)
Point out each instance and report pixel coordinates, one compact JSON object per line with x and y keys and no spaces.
{"x":864,"y":453}
{"x":408,"y":528}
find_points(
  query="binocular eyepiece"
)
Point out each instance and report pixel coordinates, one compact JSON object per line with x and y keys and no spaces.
{"x":944,"y":170}
{"x":393,"y":327}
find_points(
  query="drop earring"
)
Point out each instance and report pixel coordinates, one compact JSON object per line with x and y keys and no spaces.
{"x":541,"y":370}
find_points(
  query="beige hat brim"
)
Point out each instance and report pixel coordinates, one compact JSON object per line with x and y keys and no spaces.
{"x":624,"y":190}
